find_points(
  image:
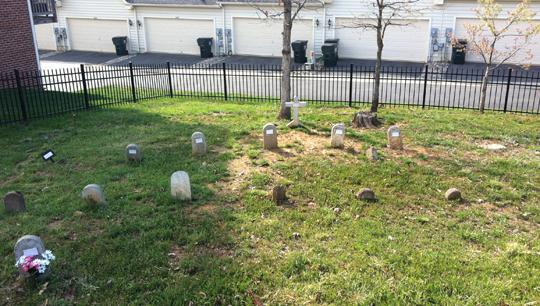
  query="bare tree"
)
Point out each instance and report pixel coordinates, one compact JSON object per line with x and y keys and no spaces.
{"x":482,"y":38}
{"x":290,"y":11}
{"x":383,"y":14}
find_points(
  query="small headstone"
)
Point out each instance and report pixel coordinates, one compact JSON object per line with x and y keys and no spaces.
{"x":493,"y":146}
{"x":372,"y":154}
{"x":279,"y":193}
{"x":93,"y":193}
{"x":453,"y":194}
{"x":133,"y":152}
{"x":365,"y":194}
{"x":270,"y":136}
{"x":338,"y":135}
{"x":395,"y":139}
{"x":180,"y":185}
{"x":198,"y":143}
{"x":14,"y":201}
{"x":30,"y":245}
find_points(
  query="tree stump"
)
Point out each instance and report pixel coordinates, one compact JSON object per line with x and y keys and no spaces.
{"x":365,"y":120}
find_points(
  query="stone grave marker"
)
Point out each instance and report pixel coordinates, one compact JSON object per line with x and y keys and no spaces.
{"x":372,"y":154}
{"x":270,"y":136}
{"x":395,"y":139}
{"x":198,"y":143}
{"x":453,"y":194}
{"x":365,"y":194}
{"x":180,"y":185}
{"x":295,"y":105}
{"x":14,"y":201}
{"x":133,"y":152}
{"x":338,"y":135}
{"x":93,"y":193}
{"x":27,"y":246}
{"x":279,"y":193}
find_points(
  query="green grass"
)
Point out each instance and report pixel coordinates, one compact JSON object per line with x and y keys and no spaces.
{"x":232,"y":245}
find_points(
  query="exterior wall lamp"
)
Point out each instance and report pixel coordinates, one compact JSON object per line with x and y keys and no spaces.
{"x":130,"y":22}
{"x":139,"y":23}
{"x":329,"y":23}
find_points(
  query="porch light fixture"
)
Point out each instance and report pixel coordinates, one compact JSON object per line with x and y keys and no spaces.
{"x":139,"y":23}
{"x":130,"y":22}
{"x":317,"y":23}
{"x":329,"y":22}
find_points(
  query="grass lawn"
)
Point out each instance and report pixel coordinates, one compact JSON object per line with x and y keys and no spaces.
{"x":231,"y":245}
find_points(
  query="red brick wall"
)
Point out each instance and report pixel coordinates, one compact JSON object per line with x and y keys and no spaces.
{"x":16,"y":41}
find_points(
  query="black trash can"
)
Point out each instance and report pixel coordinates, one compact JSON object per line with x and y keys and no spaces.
{"x":333,"y":41}
{"x":205,"y":43}
{"x":329,"y":52}
{"x":458,"y":54}
{"x":120,"y":42}
{"x":299,"y":47}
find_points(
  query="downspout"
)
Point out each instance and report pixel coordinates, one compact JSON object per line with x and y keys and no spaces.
{"x":136,"y":24}
{"x":33,"y":34}
{"x":324,"y":25}
{"x":223,"y":30}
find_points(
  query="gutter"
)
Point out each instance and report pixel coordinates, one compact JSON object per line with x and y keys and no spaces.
{"x":318,"y":4}
{"x":130,"y":5}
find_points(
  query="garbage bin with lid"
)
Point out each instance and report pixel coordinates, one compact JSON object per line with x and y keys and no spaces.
{"x":329,"y":52}
{"x":299,"y":47}
{"x":205,"y":44}
{"x":458,"y":54}
{"x":120,"y":42}
{"x":333,"y":41}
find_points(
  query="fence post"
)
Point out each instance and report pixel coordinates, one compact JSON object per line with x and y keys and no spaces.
{"x":21,"y":96}
{"x":132,"y":82}
{"x":85,"y":88}
{"x":170,"y":78}
{"x":425,"y":88}
{"x":225,"y":81}
{"x":350,"y":86}
{"x":507,"y":89}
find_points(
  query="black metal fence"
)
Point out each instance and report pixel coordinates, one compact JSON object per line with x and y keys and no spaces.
{"x":27,"y":95}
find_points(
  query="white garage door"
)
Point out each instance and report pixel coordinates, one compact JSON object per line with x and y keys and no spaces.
{"x":45,"y":36}
{"x":177,"y":35}
{"x":95,"y":35}
{"x":263,"y":38}
{"x":507,"y":41}
{"x":407,"y":43}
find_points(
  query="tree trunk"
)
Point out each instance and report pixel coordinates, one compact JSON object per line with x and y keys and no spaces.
{"x":484,"y":90}
{"x":377,"y":77}
{"x":285,"y":112}
{"x":365,"y":119}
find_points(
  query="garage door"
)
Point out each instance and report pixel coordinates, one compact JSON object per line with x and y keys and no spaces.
{"x":95,"y":35}
{"x":263,"y":38}
{"x":176,"y":35}
{"x":407,"y":43}
{"x":45,"y":36}
{"x":507,"y":41}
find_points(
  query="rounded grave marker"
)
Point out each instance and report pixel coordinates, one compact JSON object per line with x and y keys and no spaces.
{"x":133,"y":152}
{"x":338,"y":135}
{"x":180,"y":185}
{"x":30,"y":245}
{"x":93,"y":193}
{"x":270,"y":136}
{"x":453,"y":194}
{"x":395,"y":139}
{"x":14,"y":201}
{"x":365,"y":194}
{"x":198,"y":143}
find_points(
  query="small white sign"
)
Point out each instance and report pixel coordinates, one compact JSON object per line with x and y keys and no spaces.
{"x":30,"y":252}
{"x":132,"y":151}
{"x":395,"y":134}
{"x":198,"y":140}
{"x":46,"y":156}
{"x":269,"y":132}
{"x":339,"y":132}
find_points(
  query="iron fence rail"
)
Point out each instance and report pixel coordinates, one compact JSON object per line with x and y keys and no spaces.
{"x":29,"y":95}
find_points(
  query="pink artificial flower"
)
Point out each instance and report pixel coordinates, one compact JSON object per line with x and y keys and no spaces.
{"x":25,"y":268}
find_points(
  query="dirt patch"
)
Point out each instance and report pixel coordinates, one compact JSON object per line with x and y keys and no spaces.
{"x":55,"y":224}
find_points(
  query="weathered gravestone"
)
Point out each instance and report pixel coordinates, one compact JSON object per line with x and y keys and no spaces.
{"x":180,"y":185}
{"x":453,"y":194}
{"x":198,"y":143}
{"x":14,"y":201}
{"x":30,"y":245}
{"x":338,"y":135}
{"x":395,"y":139}
{"x":295,"y":105}
{"x":365,"y":194}
{"x":133,"y":152}
{"x":372,"y":154}
{"x":270,"y":136}
{"x":93,"y":193}
{"x":279,"y":193}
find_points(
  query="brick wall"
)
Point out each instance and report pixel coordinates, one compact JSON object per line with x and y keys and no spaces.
{"x":16,"y":41}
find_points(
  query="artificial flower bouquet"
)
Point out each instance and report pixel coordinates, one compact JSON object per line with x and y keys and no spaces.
{"x":35,"y":265}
